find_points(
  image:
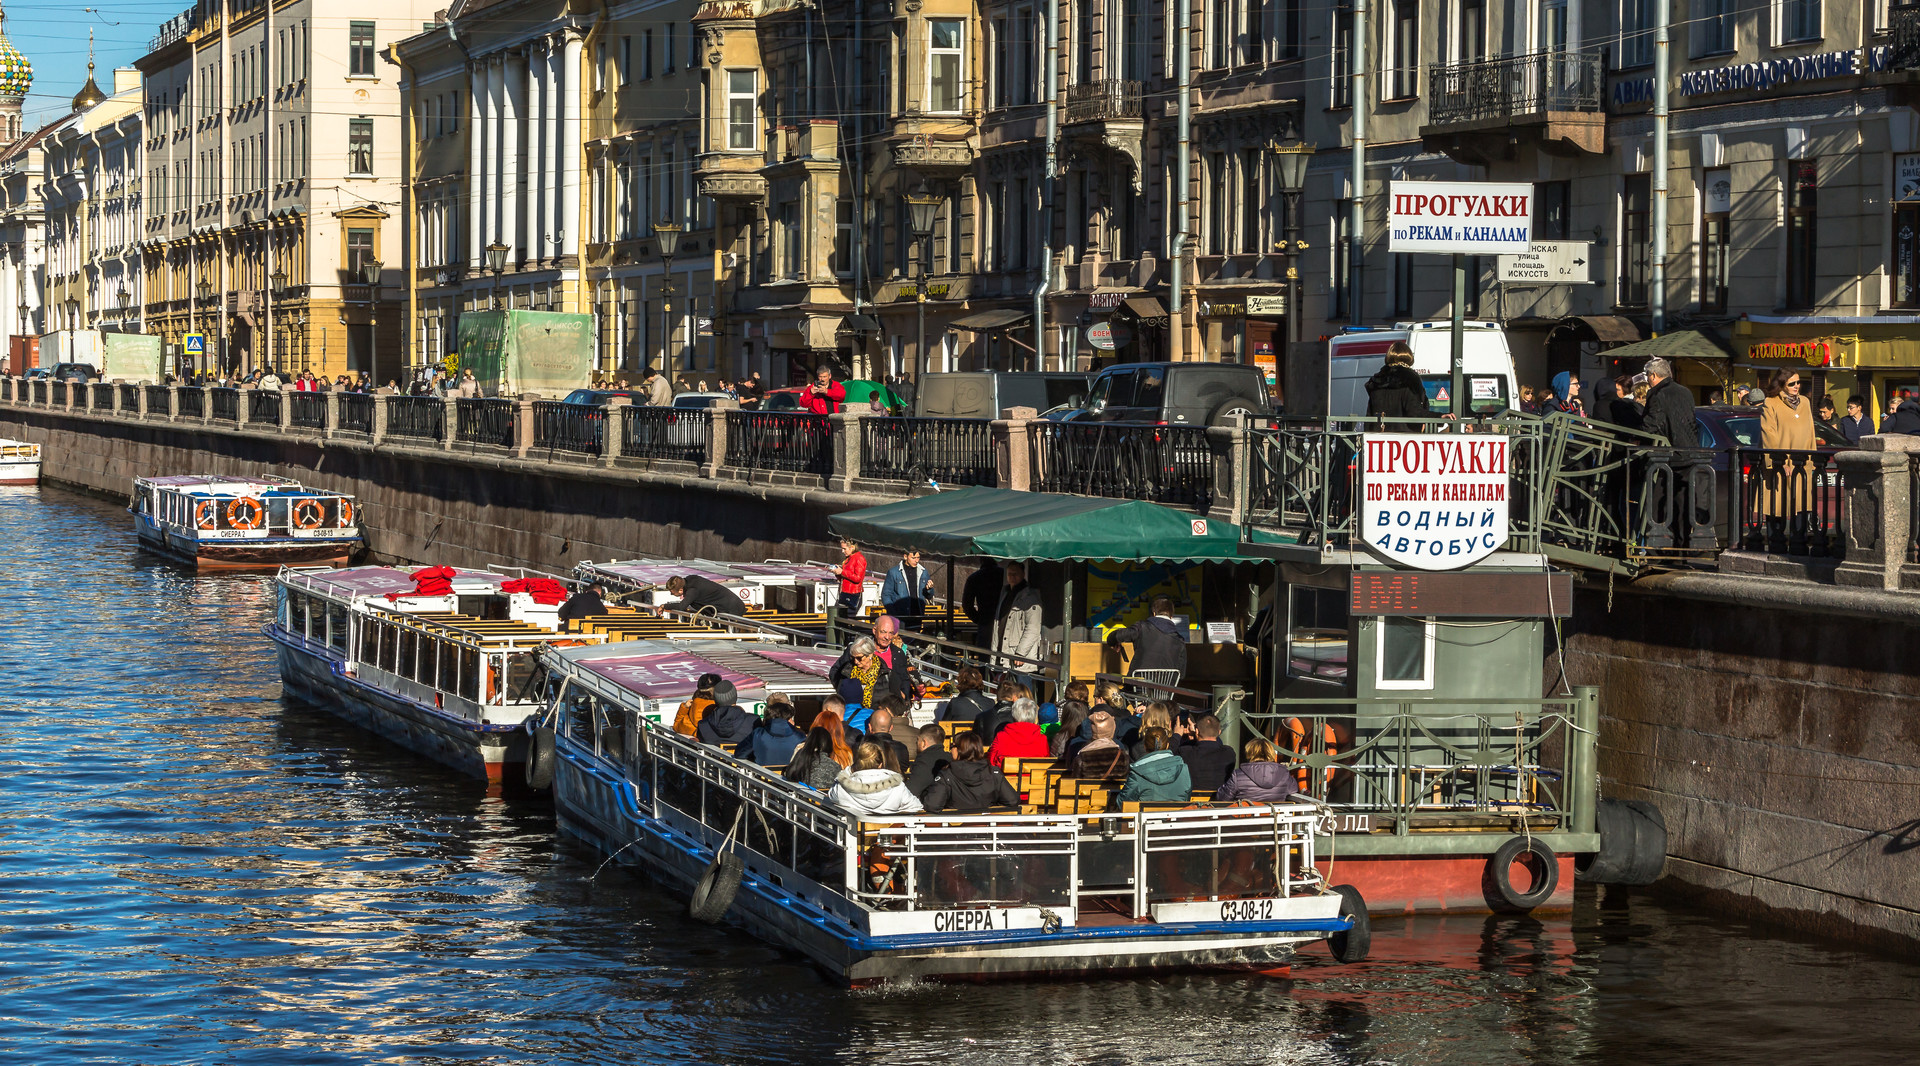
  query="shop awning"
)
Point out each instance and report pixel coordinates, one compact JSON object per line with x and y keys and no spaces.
{"x":989,"y":321}
{"x":860,"y":324}
{"x":1005,"y":524}
{"x":1145,"y":307}
{"x":1610,"y":329}
{"x":1685,"y":344}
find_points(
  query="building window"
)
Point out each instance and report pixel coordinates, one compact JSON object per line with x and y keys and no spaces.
{"x":1342,"y":232}
{"x":360,"y":146}
{"x":1250,"y":200}
{"x":1906,"y":231}
{"x":360,"y":48}
{"x":669,"y":47}
{"x":741,"y":89}
{"x":946,"y":91}
{"x":623,"y":66}
{"x":1551,"y":205}
{"x":1402,"y":284}
{"x":1636,"y":33}
{"x":1404,"y":658}
{"x":843,"y":237}
{"x":1082,"y":70}
{"x":1215,"y":238}
{"x":1713,"y":31}
{"x":1400,"y":65}
{"x":1716,"y":207}
{"x":360,"y":254}
{"x":790,"y":242}
{"x":1799,"y":20}
{"x":1802,"y":178}
{"x":1340,"y":91}
{"x":1636,"y":240}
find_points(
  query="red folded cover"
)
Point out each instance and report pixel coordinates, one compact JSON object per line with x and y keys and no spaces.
{"x":432,"y":581}
{"x":544,"y":590}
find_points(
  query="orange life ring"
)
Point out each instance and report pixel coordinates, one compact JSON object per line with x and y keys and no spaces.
{"x":247,"y":519}
{"x":203,"y":514}
{"x":307,"y":514}
{"x":346,"y":513}
{"x":1300,"y":744}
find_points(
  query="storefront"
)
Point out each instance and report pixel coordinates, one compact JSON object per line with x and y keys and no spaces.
{"x":1237,"y":330}
{"x":1872,"y":356}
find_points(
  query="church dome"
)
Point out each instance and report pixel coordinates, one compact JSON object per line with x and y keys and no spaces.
{"x":16,"y":74}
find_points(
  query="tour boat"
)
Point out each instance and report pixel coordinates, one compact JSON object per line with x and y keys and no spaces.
{"x":19,"y":463}
{"x":438,"y":660}
{"x":774,"y":584}
{"x":1053,"y":891}
{"x":244,"y":523}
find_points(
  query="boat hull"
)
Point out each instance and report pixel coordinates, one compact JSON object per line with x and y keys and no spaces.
{"x":20,"y":473}
{"x":317,"y":675}
{"x":599,"y":806}
{"x":255,"y":554}
{"x":1432,"y":884}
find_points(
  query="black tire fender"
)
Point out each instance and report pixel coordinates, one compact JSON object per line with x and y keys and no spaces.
{"x":1633,"y":844}
{"x":540,"y":758}
{"x":1503,"y":894}
{"x":1353,"y":944}
{"x":714,"y":892}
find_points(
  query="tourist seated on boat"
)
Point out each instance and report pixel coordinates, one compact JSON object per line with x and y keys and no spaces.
{"x":1208,"y":761}
{"x":694,"y":592}
{"x":968,"y":783}
{"x":832,"y":718}
{"x":1159,"y":716}
{"x":774,"y":738}
{"x":880,"y":731}
{"x":586,"y":603}
{"x":1111,"y":698}
{"x":726,"y":724}
{"x":1158,"y":776}
{"x":853,"y":698}
{"x":819,"y":761}
{"x":971,"y":699}
{"x":1102,"y":758}
{"x":929,"y":758}
{"x":1020,"y":738}
{"x":900,"y":711}
{"x":1073,"y":715}
{"x":879,"y":662}
{"x":869,"y":789}
{"x":686,"y":721}
{"x":1261,"y":778}
{"x":989,"y":723}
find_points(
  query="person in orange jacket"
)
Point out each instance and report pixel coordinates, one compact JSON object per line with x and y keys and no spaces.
{"x":852,"y":572}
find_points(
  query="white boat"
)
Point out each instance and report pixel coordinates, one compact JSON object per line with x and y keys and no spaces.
{"x":19,"y":463}
{"x":244,"y":523}
{"x":775,"y":584}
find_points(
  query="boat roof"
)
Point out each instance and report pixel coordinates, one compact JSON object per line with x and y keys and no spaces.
{"x":671,"y":669}
{"x":490,"y":634}
{"x":657,"y":571}
{"x":221,"y":485}
{"x":367,"y":582}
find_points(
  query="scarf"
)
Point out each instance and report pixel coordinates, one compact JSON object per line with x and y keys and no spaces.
{"x":868,"y":676}
{"x":1791,"y":399}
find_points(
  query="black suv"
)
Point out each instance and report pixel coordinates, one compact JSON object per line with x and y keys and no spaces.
{"x":1178,"y":394}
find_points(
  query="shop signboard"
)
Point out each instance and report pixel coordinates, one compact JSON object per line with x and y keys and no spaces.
{"x":1906,"y":178}
{"x":1107,"y":336}
{"x":1434,"y":501}
{"x":1811,"y":352}
{"x":1267,"y":306}
{"x":1460,"y":217}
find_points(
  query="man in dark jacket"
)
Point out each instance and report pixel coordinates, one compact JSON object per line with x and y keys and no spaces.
{"x":879,"y":730}
{"x":1856,"y":424}
{"x":1208,"y":761}
{"x":1906,"y":418}
{"x":969,"y":783}
{"x":696,"y":592}
{"x":1158,"y":643}
{"x":583,"y":604}
{"x":980,"y":599}
{"x":774,"y":740}
{"x":726,"y":724}
{"x":1669,"y":407}
{"x":1395,"y":391}
{"x":930,"y":758}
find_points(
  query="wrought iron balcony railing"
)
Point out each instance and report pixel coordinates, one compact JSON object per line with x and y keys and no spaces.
{"x":1102,"y":101}
{"x":1903,"y":32}
{"x":1506,"y":86}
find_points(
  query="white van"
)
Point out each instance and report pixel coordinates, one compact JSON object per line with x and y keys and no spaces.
{"x":1355,"y":357}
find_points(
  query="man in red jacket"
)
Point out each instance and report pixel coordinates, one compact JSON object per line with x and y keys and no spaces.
{"x":825,"y":395}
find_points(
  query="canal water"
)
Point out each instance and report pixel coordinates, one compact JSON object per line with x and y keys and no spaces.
{"x":193,"y":870}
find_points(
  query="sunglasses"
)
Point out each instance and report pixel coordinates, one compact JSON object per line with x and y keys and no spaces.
{"x":1792,"y":385}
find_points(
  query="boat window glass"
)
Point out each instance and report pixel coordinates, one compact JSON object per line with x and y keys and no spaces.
{"x":296,"y":613}
{"x":389,"y":646}
{"x":409,"y":648}
{"x":276,"y":512}
{"x":469,"y":674}
{"x":520,"y":667}
{"x":449,"y":667}
{"x":1317,"y":633}
{"x":337,"y":625}
{"x":1406,"y":653}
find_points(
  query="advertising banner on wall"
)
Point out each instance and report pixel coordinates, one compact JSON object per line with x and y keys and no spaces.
{"x":1434,"y":501}
{"x":1460,"y":217}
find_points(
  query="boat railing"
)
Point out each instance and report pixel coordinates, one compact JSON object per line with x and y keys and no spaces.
{"x":1215,"y":853}
{"x":1401,"y":759}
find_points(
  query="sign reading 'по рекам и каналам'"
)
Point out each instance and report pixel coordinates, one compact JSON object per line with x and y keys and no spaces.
{"x":1459,"y":217}
{"x":1434,"y":501}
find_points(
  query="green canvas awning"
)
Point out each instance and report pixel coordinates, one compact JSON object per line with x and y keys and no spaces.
{"x":1684,"y":344}
{"x":1005,"y":524}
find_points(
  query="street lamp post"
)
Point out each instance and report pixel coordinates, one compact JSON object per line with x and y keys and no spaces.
{"x":206,"y":293}
{"x":278,"y":280}
{"x":921,"y":210}
{"x":496,"y":262}
{"x":125,"y":299}
{"x":1291,"y":158}
{"x":667,"y":235}
{"x":73,"y":313}
{"x":373,"y":318}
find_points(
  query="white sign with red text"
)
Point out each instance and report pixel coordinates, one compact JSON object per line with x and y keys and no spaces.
{"x":1434,"y":502}
{"x":1466,"y":217}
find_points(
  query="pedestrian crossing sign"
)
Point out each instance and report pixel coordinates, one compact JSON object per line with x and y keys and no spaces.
{"x":195,"y":343}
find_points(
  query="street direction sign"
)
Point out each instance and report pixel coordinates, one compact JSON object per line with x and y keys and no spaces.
{"x":1550,"y":263}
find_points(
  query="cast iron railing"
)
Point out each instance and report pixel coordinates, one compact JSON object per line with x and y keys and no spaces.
{"x":1903,"y":37}
{"x":417,"y":417}
{"x":308,"y":410}
{"x":1508,"y":86}
{"x":484,"y":421}
{"x":159,"y":401}
{"x":797,"y":442}
{"x":39,"y":392}
{"x":193,"y":402}
{"x":100,"y":396}
{"x":1103,"y":100}
{"x":226,"y":404}
{"x":263,"y":407}
{"x":1128,"y":461}
{"x":666,"y":433}
{"x":356,"y":412}
{"x":950,"y":451}
{"x":129,"y":398}
{"x":1786,"y":502}
{"x":568,"y":427}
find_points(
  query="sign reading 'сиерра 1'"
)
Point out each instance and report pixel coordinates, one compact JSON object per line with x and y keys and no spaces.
{"x":1434,"y":501}
{"x":1459,"y":217}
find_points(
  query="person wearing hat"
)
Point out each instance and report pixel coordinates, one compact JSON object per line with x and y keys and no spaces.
{"x":726,"y":724}
{"x":686,"y":721}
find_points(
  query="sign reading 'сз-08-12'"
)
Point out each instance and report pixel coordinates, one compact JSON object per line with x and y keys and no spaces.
{"x":1459,"y":217}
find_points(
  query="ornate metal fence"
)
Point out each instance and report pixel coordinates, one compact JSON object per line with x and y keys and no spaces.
{"x":417,"y":417}
{"x":666,"y":433}
{"x":356,"y":412}
{"x":1502,"y":87}
{"x":263,"y":406}
{"x":159,"y":401}
{"x":484,"y":421}
{"x":226,"y":404}
{"x":1786,"y":502}
{"x":951,"y":451}
{"x":100,"y":396}
{"x":568,"y":427}
{"x":766,"y":440}
{"x":308,"y":410}
{"x":193,"y":402}
{"x":1166,"y":464}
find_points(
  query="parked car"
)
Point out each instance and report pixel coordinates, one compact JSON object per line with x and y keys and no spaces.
{"x":691,"y":432}
{"x":39,"y":373}
{"x":986,"y":393}
{"x":1180,"y":394}
{"x":75,"y":372}
{"x":783,"y":400}
{"x":1355,"y":357}
{"x":599,"y":397}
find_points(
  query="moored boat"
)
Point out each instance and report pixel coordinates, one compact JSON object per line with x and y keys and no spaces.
{"x":244,"y":523}
{"x":19,"y":463}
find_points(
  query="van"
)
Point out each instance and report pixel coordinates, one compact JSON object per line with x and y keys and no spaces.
{"x":1354,"y":357}
{"x":984,"y":394}
{"x":1177,"y":394}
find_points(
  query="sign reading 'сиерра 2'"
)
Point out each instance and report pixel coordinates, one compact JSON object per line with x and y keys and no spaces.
{"x":1459,"y":217}
{"x":1434,"y":501}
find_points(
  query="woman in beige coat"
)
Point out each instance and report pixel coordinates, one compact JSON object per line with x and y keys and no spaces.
{"x":1786,"y":425}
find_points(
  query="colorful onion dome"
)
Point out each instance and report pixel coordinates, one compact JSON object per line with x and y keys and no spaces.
{"x":16,"y":74}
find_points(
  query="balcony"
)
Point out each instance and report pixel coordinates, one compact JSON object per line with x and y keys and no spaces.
{"x":1104,"y":101}
{"x":1478,"y":111}
{"x":730,"y":176}
{"x":1903,"y":40}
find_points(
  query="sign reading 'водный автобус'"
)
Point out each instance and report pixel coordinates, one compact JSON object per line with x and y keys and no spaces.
{"x":1459,"y":217}
{"x":1434,"y":501}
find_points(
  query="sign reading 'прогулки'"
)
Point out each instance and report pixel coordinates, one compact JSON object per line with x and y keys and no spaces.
{"x":1435,"y":502}
{"x":1459,"y":217}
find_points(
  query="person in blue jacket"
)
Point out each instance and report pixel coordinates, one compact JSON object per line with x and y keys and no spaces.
{"x":907,"y":590}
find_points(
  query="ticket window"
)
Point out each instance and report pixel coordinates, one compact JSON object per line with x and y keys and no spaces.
{"x":1403,"y":653}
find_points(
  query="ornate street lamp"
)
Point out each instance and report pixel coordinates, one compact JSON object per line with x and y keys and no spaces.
{"x":1290,"y":160}
{"x":73,"y":313}
{"x":279,"y":280}
{"x":922,"y":209}
{"x":667,"y":236}
{"x":496,"y":262}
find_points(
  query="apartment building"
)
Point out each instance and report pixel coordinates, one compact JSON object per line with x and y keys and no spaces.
{"x":22,"y":219}
{"x":87,"y":187}
{"x":273,"y":149}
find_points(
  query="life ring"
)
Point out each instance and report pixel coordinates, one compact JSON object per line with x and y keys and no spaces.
{"x":248,"y":518}
{"x":1301,"y":745}
{"x":308,"y":514}
{"x":346,"y":513}
{"x":1500,"y":889}
{"x":203,"y":515}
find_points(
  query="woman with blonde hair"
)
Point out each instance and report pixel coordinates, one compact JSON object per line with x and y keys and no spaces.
{"x":1158,"y":715}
